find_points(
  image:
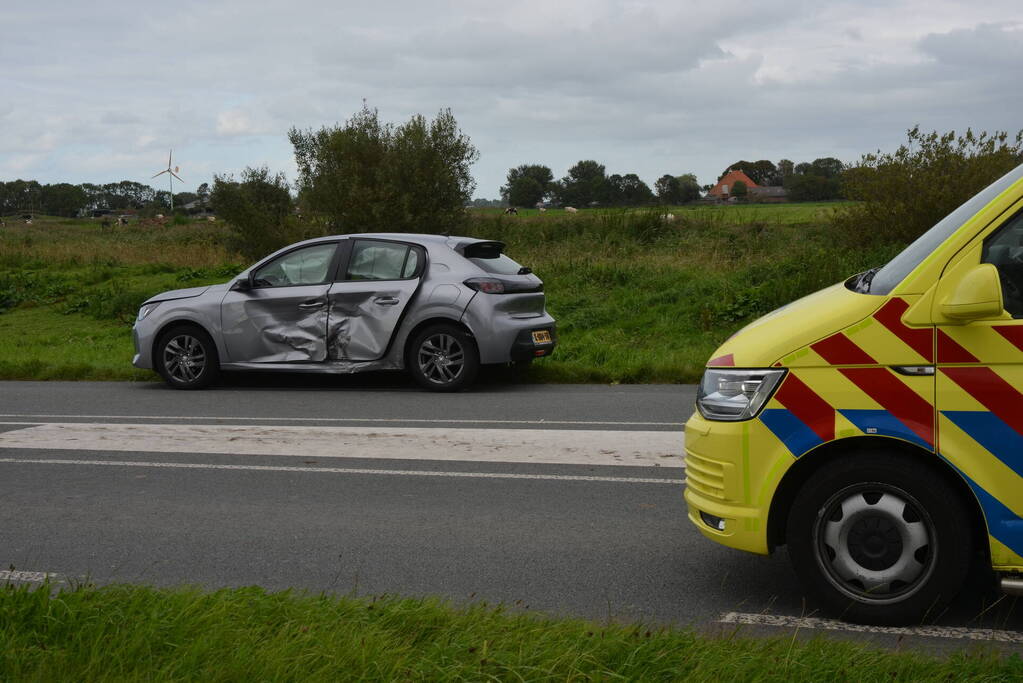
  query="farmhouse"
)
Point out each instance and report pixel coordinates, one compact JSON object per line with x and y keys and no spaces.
{"x":724,"y":187}
{"x":724,"y":191}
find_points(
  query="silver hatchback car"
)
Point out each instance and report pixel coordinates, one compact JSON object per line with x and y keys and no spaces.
{"x":438,"y":306}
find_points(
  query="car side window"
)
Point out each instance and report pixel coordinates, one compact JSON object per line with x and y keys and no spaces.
{"x":305,"y":266}
{"x":382,"y":261}
{"x":1004,"y":250}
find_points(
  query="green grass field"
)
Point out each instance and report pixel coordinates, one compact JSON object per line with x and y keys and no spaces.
{"x":637,"y":298}
{"x":138,"y":633}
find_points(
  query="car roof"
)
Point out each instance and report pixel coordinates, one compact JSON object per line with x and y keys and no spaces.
{"x":418,"y":238}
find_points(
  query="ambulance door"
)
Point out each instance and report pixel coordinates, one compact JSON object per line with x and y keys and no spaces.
{"x":980,"y":387}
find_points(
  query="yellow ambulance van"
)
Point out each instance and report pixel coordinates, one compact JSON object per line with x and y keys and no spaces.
{"x":876,"y":426}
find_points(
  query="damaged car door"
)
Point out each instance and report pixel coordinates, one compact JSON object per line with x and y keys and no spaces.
{"x":370,"y":297}
{"x":279,"y":314}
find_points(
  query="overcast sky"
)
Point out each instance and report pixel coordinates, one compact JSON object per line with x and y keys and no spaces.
{"x":99,"y":91}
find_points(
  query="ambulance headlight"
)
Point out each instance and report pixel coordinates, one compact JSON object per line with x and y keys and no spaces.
{"x":736,"y":394}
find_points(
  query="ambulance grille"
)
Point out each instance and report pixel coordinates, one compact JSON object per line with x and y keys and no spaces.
{"x":706,"y":477}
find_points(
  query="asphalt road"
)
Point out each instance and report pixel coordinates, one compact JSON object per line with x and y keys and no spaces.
{"x":563,"y":499}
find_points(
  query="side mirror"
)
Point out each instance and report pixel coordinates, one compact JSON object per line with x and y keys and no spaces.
{"x":978,"y":295}
{"x":242,"y":284}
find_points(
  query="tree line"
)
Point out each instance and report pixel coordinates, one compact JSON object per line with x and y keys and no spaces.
{"x":587,"y":183}
{"x":65,"y":199}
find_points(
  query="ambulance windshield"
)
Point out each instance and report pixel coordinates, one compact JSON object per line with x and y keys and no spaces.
{"x":896,"y":270}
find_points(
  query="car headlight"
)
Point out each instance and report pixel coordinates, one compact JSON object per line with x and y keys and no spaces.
{"x":734,"y":395}
{"x":145,"y":311}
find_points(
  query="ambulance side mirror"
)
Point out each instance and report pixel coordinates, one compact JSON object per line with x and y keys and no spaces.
{"x":977,"y":296}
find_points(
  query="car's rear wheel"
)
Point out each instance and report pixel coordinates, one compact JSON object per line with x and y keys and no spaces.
{"x":880,"y":539}
{"x":186,"y":358}
{"x":443,"y":358}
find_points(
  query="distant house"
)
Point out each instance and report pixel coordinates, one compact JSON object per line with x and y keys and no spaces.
{"x":723,"y":190}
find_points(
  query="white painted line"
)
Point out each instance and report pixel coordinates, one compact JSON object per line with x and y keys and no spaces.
{"x":342,"y":470}
{"x":536,"y":446}
{"x":833,"y":625}
{"x":347,"y":420}
{"x":32,"y":577}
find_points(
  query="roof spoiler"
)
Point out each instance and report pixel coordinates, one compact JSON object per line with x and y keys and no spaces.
{"x":479,"y":248}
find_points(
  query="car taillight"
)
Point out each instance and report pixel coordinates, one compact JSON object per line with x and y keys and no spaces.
{"x":487,"y":285}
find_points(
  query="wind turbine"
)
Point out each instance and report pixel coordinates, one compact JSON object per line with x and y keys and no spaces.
{"x":171,"y":175}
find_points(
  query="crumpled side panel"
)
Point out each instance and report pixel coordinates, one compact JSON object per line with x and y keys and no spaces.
{"x":299,"y":340}
{"x":361,"y":319}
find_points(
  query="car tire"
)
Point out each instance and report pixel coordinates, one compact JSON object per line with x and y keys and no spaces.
{"x":186,"y":358}
{"x":443,"y":358}
{"x":880,"y":539}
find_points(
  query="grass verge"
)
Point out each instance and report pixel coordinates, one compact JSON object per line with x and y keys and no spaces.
{"x":140,"y":633}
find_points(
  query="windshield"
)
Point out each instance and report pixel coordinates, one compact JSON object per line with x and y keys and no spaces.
{"x":896,"y":270}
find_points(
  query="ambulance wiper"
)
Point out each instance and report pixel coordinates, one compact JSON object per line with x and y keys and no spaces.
{"x":863,"y":284}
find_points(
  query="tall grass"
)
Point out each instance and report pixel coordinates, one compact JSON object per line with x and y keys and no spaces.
{"x":246,"y":634}
{"x":638,"y":298}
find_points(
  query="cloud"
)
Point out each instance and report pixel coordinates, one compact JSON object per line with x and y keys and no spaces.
{"x":643,"y":86}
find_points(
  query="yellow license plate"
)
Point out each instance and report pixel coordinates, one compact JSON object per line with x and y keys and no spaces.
{"x":542,"y":337}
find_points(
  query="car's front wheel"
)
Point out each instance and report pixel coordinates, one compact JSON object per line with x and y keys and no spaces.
{"x":186,"y":358}
{"x":880,"y":539}
{"x":443,"y":358}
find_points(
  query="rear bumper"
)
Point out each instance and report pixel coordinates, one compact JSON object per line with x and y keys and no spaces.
{"x":524,"y":348}
{"x":503,"y":336}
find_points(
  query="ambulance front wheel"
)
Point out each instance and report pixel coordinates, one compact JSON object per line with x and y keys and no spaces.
{"x":880,"y":539}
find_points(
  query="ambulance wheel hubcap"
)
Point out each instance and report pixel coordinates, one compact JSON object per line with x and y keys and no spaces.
{"x":875,"y":542}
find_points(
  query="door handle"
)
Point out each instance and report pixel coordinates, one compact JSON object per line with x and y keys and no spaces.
{"x":385,"y":300}
{"x":311,"y":304}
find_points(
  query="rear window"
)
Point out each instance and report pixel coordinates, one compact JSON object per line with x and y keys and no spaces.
{"x":498,"y":265}
{"x":488,"y":256}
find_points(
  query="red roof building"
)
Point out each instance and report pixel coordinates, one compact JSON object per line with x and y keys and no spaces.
{"x":723,"y":190}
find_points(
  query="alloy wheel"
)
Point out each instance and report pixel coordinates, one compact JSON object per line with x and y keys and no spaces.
{"x":184,"y":358}
{"x":441,"y":358}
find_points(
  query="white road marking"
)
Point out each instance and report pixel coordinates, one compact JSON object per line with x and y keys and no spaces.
{"x":348,"y":420}
{"x":539,"y":446}
{"x":343,"y":470}
{"x":833,"y":625}
{"x":32,"y":577}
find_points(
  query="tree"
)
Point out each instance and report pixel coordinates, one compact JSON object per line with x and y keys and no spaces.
{"x":63,"y":199}
{"x":761,"y":172}
{"x":828,"y":167}
{"x":810,"y":187}
{"x":257,"y":209}
{"x":689,"y":187}
{"x":528,"y":185}
{"x":785,"y":169}
{"x":202,"y":193}
{"x":627,"y":190}
{"x":905,"y":192}
{"x":366,"y":175}
{"x":739,"y":189}
{"x":668,"y":189}
{"x":585,"y":184}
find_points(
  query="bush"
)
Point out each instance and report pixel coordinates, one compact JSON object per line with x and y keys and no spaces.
{"x":371,"y":176}
{"x":904,"y":193}
{"x":258,"y":210}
